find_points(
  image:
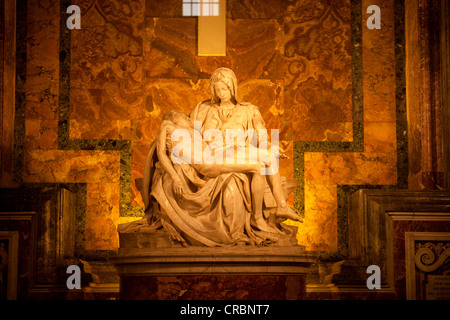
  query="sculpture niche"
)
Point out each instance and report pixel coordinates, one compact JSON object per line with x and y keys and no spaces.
{"x":200,"y":188}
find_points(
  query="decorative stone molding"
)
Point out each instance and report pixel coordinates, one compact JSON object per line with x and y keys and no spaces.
{"x":371,"y":224}
{"x":9,"y":250}
{"x":426,"y":253}
{"x":104,"y":276}
{"x":430,"y":256}
{"x":45,"y":220}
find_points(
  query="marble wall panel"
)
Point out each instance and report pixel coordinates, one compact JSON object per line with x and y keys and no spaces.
{"x":319,"y":111}
{"x":287,"y":165}
{"x":163,"y":9}
{"x":42,"y":81}
{"x":41,"y":134}
{"x":379,"y":67}
{"x":255,"y":48}
{"x":318,"y":79}
{"x":268,"y":96}
{"x":71,"y":166}
{"x":170,"y":48}
{"x":380,"y":137}
{"x":107,"y":50}
{"x":351,"y":168}
{"x":109,"y":104}
{"x":253,"y":9}
{"x":106,"y":72}
{"x":104,"y":129}
{"x":323,"y":172}
{"x":163,"y":95}
{"x":319,"y":228}
{"x":102,"y":214}
{"x":42,"y":85}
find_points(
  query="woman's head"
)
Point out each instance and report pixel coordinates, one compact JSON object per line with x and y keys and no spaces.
{"x":178,"y":117}
{"x":222,"y":79}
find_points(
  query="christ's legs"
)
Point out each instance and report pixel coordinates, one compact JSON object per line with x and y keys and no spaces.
{"x":257,"y":187}
{"x":283,"y":210}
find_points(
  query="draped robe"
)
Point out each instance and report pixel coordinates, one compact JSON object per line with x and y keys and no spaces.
{"x":212,"y":211}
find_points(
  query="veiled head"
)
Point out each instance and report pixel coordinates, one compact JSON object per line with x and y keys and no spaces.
{"x":227,"y":77}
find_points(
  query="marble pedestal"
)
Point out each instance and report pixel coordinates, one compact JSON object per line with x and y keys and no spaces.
{"x":238,"y":272}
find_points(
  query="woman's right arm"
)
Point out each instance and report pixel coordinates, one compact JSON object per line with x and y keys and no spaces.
{"x":164,"y":160}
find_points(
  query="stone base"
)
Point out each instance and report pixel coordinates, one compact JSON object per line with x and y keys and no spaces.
{"x":153,"y":239}
{"x":221,"y":287}
{"x":217,"y":260}
{"x":238,"y":272}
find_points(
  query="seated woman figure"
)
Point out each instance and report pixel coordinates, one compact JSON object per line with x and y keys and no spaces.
{"x":224,"y":111}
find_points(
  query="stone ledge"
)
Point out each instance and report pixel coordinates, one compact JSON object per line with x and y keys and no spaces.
{"x":213,"y":261}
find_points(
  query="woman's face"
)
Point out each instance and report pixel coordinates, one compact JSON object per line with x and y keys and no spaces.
{"x":222,"y":91}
